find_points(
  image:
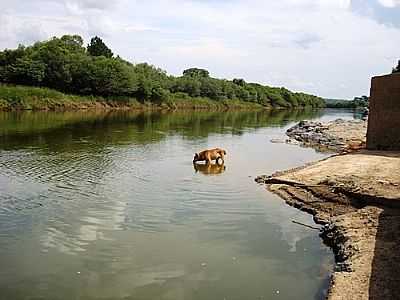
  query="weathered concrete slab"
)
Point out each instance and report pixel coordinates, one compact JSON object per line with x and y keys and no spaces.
{"x":384,"y":113}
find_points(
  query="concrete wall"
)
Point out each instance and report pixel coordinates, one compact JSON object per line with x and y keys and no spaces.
{"x":384,"y":113}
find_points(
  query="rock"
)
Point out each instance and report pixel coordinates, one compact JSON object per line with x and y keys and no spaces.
{"x":277,"y":141}
{"x":292,"y":142}
{"x":329,"y":135}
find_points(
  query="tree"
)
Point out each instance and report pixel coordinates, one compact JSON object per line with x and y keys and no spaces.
{"x":196,"y":72}
{"x":239,"y":81}
{"x":8,"y":57}
{"x":57,"y":61}
{"x":396,"y":69}
{"x":188,"y":85}
{"x":73,"y":43}
{"x":210,"y":88}
{"x":111,"y":77}
{"x":66,"y":65}
{"x":289,"y":97}
{"x":27,"y":71}
{"x":98,"y":48}
{"x":158,"y":94}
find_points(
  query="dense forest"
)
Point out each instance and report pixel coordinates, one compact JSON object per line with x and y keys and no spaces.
{"x":357,"y":102}
{"x":66,"y":65}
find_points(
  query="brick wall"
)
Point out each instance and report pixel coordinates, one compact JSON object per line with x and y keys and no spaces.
{"x":384,"y":113}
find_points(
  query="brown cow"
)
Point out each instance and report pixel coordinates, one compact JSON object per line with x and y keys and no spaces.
{"x":209,"y":155}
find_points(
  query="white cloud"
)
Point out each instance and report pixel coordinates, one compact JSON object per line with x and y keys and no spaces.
{"x":389,"y":3}
{"x":82,"y":6}
{"x":318,"y":46}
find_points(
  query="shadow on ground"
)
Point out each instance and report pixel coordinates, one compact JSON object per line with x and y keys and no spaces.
{"x":385,"y":272}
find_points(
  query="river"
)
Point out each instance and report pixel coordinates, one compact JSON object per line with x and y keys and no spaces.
{"x":108,"y":205}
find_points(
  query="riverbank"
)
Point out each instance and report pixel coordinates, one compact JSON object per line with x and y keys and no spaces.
{"x":356,"y":197}
{"x":338,"y":135}
{"x":15,"y":98}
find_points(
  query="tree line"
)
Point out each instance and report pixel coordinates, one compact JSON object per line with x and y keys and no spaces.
{"x":66,"y":65}
{"x":357,"y":102}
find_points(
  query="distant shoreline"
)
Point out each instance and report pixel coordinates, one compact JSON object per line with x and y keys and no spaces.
{"x":26,"y":98}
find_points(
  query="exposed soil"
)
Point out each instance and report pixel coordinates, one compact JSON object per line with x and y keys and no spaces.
{"x":357,"y":198}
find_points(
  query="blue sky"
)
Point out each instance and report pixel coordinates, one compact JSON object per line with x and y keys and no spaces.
{"x":329,"y":48}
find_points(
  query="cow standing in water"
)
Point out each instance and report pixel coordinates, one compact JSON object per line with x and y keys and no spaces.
{"x":210,"y":155}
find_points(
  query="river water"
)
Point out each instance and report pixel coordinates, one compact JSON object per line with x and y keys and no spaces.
{"x":108,"y":205}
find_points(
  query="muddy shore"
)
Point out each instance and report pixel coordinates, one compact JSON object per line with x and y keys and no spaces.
{"x":356,"y":197}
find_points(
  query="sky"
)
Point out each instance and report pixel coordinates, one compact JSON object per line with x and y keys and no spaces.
{"x":330,"y":48}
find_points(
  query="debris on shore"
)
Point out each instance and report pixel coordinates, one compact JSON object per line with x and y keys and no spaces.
{"x":356,"y":197}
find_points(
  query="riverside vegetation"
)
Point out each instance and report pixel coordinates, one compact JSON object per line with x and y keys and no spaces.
{"x":357,"y":103}
{"x":62,"y":73}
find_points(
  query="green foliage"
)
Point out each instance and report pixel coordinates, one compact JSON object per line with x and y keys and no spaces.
{"x":159,"y":94}
{"x":35,"y":98}
{"x":240,"y":82}
{"x":72,"y":43}
{"x":357,"y":102}
{"x":8,"y":57}
{"x":195,"y":72}
{"x":65,"y":65}
{"x":26,"y":71}
{"x":98,"y":48}
{"x":109,"y":77}
{"x":396,"y":69}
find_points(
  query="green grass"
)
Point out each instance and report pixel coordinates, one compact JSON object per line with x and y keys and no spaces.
{"x":35,"y":98}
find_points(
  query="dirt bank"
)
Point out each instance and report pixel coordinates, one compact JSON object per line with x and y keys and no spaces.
{"x":357,"y":198}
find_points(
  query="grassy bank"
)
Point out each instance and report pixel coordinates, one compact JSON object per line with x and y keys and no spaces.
{"x":34,"y":98}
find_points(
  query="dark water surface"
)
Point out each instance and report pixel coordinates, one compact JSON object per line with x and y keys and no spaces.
{"x":97,"y":205}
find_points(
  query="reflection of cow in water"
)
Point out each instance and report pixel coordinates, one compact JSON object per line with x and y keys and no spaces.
{"x":209,"y":169}
{"x":216,"y":154}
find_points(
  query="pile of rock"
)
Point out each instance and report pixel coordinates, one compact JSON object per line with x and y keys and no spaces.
{"x":331,"y":136}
